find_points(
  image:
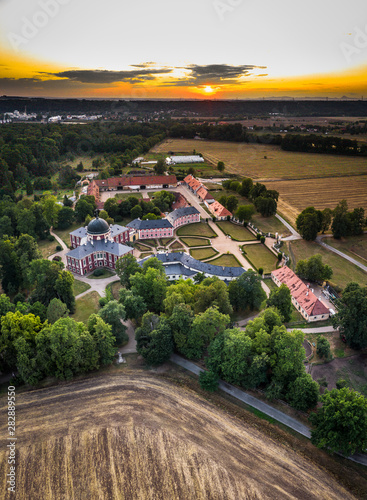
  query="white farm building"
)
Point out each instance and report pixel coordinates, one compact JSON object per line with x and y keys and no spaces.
{"x":174,"y":160}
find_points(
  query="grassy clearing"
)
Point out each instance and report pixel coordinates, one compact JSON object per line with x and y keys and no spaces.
{"x":145,"y":254}
{"x":203,"y":253}
{"x":85,"y":306}
{"x":47,"y":248}
{"x":141,"y":246}
{"x":64,"y":234}
{"x":270,"y":225}
{"x":237,"y":233}
{"x":196,"y":229}
{"x":106,"y":274}
{"x":260,"y":256}
{"x":195,"y":242}
{"x":164,"y":242}
{"x":80,"y":287}
{"x":344,"y":271}
{"x":150,"y":243}
{"x":355,"y":246}
{"x":226,"y":260}
{"x":125,"y":196}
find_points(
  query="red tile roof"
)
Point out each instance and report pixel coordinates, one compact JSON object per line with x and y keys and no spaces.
{"x":204,"y":194}
{"x":219,"y":210}
{"x":139,"y":180}
{"x":299,"y":291}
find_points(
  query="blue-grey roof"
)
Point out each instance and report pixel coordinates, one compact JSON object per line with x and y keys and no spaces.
{"x":98,"y":226}
{"x":83,"y":251}
{"x":197,"y":266}
{"x":178,"y":270}
{"x":181,"y":212}
{"x":81,"y":232}
{"x":116,"y":229}
{"x":149,"y":224}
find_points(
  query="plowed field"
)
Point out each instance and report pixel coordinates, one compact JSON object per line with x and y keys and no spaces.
{"x":135,"y":437}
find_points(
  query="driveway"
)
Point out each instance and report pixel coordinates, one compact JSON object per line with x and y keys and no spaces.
{"x":319,"y":240}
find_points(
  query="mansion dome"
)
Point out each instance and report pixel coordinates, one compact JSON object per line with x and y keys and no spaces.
{"x":98,"y":227}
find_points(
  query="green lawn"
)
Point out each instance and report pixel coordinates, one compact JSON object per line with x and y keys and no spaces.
{"x":164,"y":242}
{"x":145,"y":254}
{"x":195,"y":242}
{"x":203,"y":253}
{"x":227,"y":260}
{"x":64,"y":233}
{"x":354,"y":246}
{"x":85,"y":306}
{"x":125,"y":196}
{"x":237,"y":233}
{"x":47,"y":248}
{"x":344,"y":271}
{"x":196,"y":229}
{"x":141,"y":247}
{"x":80,"y":287}
{"x":150,"y":243}
{"x":176,"y":245}
{"x":106,"y":274}
{"x":270,"y":225}
{"x":260,"y":256}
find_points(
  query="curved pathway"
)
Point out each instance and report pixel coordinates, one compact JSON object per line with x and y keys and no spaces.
{"x":341,"y":254}
{"x":295,"y":235}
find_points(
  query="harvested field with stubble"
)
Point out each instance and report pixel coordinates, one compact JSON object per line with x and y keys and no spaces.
{"x":132,"y":437}
{"x":302,"y":179}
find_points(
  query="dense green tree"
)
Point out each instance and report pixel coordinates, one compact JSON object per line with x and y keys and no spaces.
{"x":154,"y":339}
{"x":309,"y":223}
{"x":113,"y":314}
{"x":327,"y":214}
{"x":205,"y":327}
{"x":232,"y":203}
{"x":83,"y":207}
{"x":42,"y":227}
{"x":56,"y":310}
{"x":246,"y":291}
{"x":160,"y":167}
{"x":50,"y":209}
{"x":5,"y":305}
{"x":212,"y":292}
{"x":126,"y":267}
{"x":341,"y":423}
{"x":220,"y":166}
{"x":303,"y":393}
{"x":323,"y":347}
{"x":267,"y":206}
{"x":104,"y":339}
{"x":351,"y":317}
{"x":290,"y":354}
{"x":64,"y":289}
{"x":181,"y":320}
{"x":10,"y":272}
{"x":340,"y":226}
{"x":257,"y":190}
{"x":38,"y":309}
{"x":65,"y":218}
{"x":356,"y":222}
{"x":281,"y":299}
{"x":246,"y":187}
{"x":134,"y":305}
{"x":151,"y":286}
{"x":6,"y":228}
{"x":164,"y":200}
{"x":236,"y":357}
{"x":313,"y":269}
{"x":136,"y":212}
{"x":111,"y":207}
{"x":245,"y":212}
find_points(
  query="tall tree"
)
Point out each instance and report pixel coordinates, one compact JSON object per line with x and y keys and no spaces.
{"x":313,"y":269}
{"x":246,"y":291}
{"x":126,"y":267}
{"x":56,"y":310}
{"x":113,"y":314}
{"x":154,"y":339}
{"x":151,"y":286}
{"x":309,"y":223}
{"x":341,"y":224}
{"x":104,"y":339}
{"x":282,"y":300}
{"x":341,"y":423}
{"x":351,"y":318}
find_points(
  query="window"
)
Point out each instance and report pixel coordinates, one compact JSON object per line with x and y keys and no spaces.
{"x":84,"y":263}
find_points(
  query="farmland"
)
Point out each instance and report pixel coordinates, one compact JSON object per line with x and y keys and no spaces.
{"x":132,"y":436}
{"x":344,"y":271}
{"x":302,"y":179}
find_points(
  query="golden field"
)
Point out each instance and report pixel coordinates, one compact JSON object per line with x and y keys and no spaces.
{"x":124,"y":436}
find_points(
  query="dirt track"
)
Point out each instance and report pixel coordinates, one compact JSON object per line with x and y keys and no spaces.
{"x":137,"y":437}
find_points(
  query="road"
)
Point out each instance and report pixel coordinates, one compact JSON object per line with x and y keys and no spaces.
{"x":295,"y":235}
{"x":281,"y":417}
{"x":338,"y":252}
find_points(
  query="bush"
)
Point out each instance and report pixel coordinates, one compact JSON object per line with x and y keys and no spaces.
{"x":323,"y":347}
{"x":261,"y":271}
{"x":262,"y":239}
{"x":102,"y":301}
{"x":208,"y":381}
{"x":280,"y":255}
{"x":19,"y":298}
{"x":341,"y":383}
{"x":58,"y":248}
{"x":258,"y":236}
{"x":50,"y":237}
{"x":98,"y":272}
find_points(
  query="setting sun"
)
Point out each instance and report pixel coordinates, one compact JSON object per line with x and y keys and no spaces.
{"x":208,"y":89}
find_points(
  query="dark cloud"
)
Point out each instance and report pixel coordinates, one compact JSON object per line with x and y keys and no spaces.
{"x":105,"y":77}
{"x":219,"y":73}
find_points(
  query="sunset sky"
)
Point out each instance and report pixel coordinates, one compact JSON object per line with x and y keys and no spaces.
{"x":183,"y":48}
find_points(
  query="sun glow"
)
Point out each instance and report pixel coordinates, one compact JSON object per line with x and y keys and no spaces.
{"x":208,"y":89}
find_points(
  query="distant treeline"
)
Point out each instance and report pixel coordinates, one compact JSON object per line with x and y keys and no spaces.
{"x":291,"y":142}
{"x":202,"y":108}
